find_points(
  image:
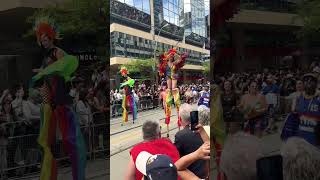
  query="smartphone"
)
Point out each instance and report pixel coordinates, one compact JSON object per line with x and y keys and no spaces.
{"x":194,"y":120}
{"x":270,"y":168}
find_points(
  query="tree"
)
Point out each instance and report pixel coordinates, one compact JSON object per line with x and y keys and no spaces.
{"x":141,"y":68}
{"x":309,"y":13}
{"x":82,"y":23}
{"x":206,"y":66}
{"x":75,"y":17}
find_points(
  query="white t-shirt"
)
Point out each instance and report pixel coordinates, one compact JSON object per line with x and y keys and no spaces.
{"x":84,"y":113}
{"x":119,"y":96}
{"x":271,"y":98}
{"x":136,"y":97}
{"x":195,"y":93}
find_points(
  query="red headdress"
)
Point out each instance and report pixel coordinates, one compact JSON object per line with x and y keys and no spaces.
{"x":124,"y":71}
{"x":45,"y":25}
{"x":164,"y":60}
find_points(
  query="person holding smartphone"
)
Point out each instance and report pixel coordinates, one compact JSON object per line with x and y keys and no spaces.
{"x":188,"y":140}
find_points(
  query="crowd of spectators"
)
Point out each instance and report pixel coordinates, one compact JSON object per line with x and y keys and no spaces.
{"x":252,"y":102}
{"x":147,"y":97}
{"x":272,"y":92}
{"x":20,"y":119}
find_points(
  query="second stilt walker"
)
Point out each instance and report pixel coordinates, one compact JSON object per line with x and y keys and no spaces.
{"x":170,"y":63}
{"x":128,"y":99}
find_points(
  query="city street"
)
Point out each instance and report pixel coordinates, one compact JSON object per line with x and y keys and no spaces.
{"x":124,"y":137}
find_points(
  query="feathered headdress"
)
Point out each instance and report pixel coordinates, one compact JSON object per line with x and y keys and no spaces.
{"x":124,"y":71}
{"x":164,"y":60}
{"x":169,"y":54}
{"x":45,"y":25}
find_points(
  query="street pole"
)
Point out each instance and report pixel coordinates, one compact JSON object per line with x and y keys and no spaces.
{"x":154,"y":52}
{"x":153,"y":37}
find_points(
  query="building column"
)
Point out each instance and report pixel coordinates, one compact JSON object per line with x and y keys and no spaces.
{"x":152,"y":17}
{"x":239,"y":45}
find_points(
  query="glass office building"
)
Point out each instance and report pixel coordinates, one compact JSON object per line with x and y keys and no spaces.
{"x":131,"y":35}
{"x":134,"y":13}
{"x":195,"y":23}
{"x":129,"y":46}
{"x":168,"y":17}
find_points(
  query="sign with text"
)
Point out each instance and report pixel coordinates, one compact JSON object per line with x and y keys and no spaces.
{"x":86,"y":57}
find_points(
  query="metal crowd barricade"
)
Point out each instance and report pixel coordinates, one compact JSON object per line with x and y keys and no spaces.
{"x":99,"y":134}
{"x":144,"y":103}
{"x":18,"y":149}
{"x":20,"y":153}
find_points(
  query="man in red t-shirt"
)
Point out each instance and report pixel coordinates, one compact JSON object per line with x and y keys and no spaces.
{"x":152,"y":144}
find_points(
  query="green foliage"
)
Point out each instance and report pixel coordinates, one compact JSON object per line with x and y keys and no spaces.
{"x":308,"y":11}
{"x":141,"y":68}
{"x":81,"y":22}
{"x":74,"y":17}
{"x":206,"y":66}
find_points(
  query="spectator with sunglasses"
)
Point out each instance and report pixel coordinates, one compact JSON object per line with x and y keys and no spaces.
{"x":307,"y":106}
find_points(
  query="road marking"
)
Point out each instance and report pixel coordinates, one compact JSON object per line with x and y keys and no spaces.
{"x":133,"y":134}
{"x":121,"y":128}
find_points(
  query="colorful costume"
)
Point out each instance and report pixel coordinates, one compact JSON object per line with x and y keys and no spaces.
{"x":170,"y":72}
{"x":57,"y":109}
{"x":219,"y":131}
{"x":128,"y":99}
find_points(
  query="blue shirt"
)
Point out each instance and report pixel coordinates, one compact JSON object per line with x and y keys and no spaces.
{"x":204,"y":99}
{"x":309,"y":111}
{"x":270,"y":89}
{"x":271,"y":92}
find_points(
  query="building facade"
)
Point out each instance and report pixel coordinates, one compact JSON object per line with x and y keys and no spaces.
{"x":260,"y":35}
{"x":143,"y":29}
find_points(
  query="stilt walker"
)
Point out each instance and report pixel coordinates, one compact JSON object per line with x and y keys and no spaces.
{"x":56,"y":109}
{"x":170,"y":63}
{"x":128,"y":99}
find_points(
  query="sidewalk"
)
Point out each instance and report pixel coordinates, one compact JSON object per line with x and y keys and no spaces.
{"x":96,"y":170}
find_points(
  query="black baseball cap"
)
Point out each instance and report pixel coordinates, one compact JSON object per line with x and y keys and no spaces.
{"x":156,"y":167}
